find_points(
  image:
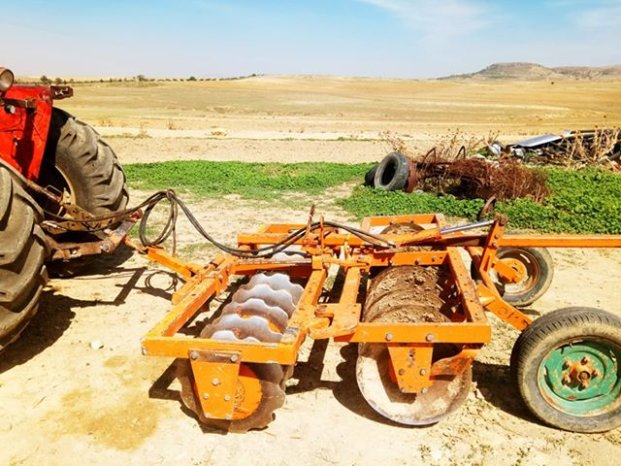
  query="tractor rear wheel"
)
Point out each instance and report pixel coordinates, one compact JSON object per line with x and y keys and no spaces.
{"x":80,"y":164}
{"x":22,"y":256}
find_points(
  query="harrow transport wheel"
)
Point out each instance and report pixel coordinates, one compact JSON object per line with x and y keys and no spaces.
{"x":22,"y":255}
{"x":374,"y":371}
{"x":259,"y":393}
{"x":568,"y":369}
{"x":536,"y":267}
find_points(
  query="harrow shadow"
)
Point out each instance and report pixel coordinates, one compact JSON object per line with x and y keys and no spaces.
{"x":346,"y":390}
{"x":496,"y":385}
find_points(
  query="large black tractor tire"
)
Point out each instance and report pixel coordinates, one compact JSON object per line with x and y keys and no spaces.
{"x":79,"y":162}
{"x":22,"y":255}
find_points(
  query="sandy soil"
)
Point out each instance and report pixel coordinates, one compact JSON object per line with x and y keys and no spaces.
{"x":64,"y":402}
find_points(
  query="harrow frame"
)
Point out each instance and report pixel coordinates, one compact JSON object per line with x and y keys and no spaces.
{"x":216,"y":364}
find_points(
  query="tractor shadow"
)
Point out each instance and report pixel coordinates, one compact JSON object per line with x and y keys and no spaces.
{"x":49,"y":323}
{"x":57,"y":311}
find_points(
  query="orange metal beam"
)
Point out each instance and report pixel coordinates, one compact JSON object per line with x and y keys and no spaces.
{"x":560,"y":241}
{"x":205,"y":287}
{"x":179,"y":346}
{"x":468,"y":294}
{"x":463,"y":332}
{"x":183,"y":268}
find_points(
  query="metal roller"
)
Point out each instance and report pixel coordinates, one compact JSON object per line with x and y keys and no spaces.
{"x":408,"y":294}
{"x":255,"y":306}
{"x":257,"y":312}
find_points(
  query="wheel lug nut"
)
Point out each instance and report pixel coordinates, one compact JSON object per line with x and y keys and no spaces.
{"x":566,"y":379}
{"x":585,"y":360}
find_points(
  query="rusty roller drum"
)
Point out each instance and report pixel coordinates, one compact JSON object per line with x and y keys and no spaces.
{"x":409,"y":294}
{"x":259,"y":312}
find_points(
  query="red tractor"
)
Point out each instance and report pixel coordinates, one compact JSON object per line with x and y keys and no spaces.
{"x":56,"y":173}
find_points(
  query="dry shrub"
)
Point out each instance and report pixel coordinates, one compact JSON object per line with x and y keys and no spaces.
{"x":505,"y":180}
{"x":584,"y":148}
{"x":396,"y":144}
{"x":455,"y":146}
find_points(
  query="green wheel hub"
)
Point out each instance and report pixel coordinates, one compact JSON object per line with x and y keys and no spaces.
{"x":582,"y":378}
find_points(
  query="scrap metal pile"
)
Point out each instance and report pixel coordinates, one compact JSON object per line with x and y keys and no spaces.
{"x":497,"y":171}
{"x":571,"y":149}
{"x":475,"y":177}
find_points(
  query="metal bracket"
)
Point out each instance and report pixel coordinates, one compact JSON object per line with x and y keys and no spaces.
{"x":345,"y":318}
{"x":412,"y":366}
{"x":215,"y":381}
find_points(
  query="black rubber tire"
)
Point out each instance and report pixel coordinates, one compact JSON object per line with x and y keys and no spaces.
{"x":79,"y":161}
{"x":556,"y":329}
{"x":541,"y":261}
{"x":89,"y":166}
{"x":392,"y":172}
{"x":369,"y":177}
{"x":22,"y":254}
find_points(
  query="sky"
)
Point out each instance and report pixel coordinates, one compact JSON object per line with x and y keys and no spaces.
{"x":383,"y":38}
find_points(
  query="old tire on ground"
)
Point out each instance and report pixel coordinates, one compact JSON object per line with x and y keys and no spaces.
{"x":22,"y":256}
{"x":369,"y":177}
{"x":392,"y":173}
{"x":79,"y":162}
{"x":568,"y":369}
{"x":538,"y":268}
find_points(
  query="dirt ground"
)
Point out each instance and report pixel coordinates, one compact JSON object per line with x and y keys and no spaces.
{"x":75,"y":388}
{"x":67,"y":402}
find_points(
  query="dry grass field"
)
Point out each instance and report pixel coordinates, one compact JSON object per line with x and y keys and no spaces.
{"x":68,"y":400}
{"x":333,"y":119}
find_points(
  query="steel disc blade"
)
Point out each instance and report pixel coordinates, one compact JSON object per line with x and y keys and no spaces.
{"x":408,"y":294}
{"x":272,"y":397}
{"x":384,"y":396}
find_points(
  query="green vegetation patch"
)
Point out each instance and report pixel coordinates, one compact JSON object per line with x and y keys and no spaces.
{"x":249,"y":180}
{"x":584,"y":201}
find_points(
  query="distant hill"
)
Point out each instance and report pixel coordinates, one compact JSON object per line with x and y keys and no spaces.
{"x":535,"y":72}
